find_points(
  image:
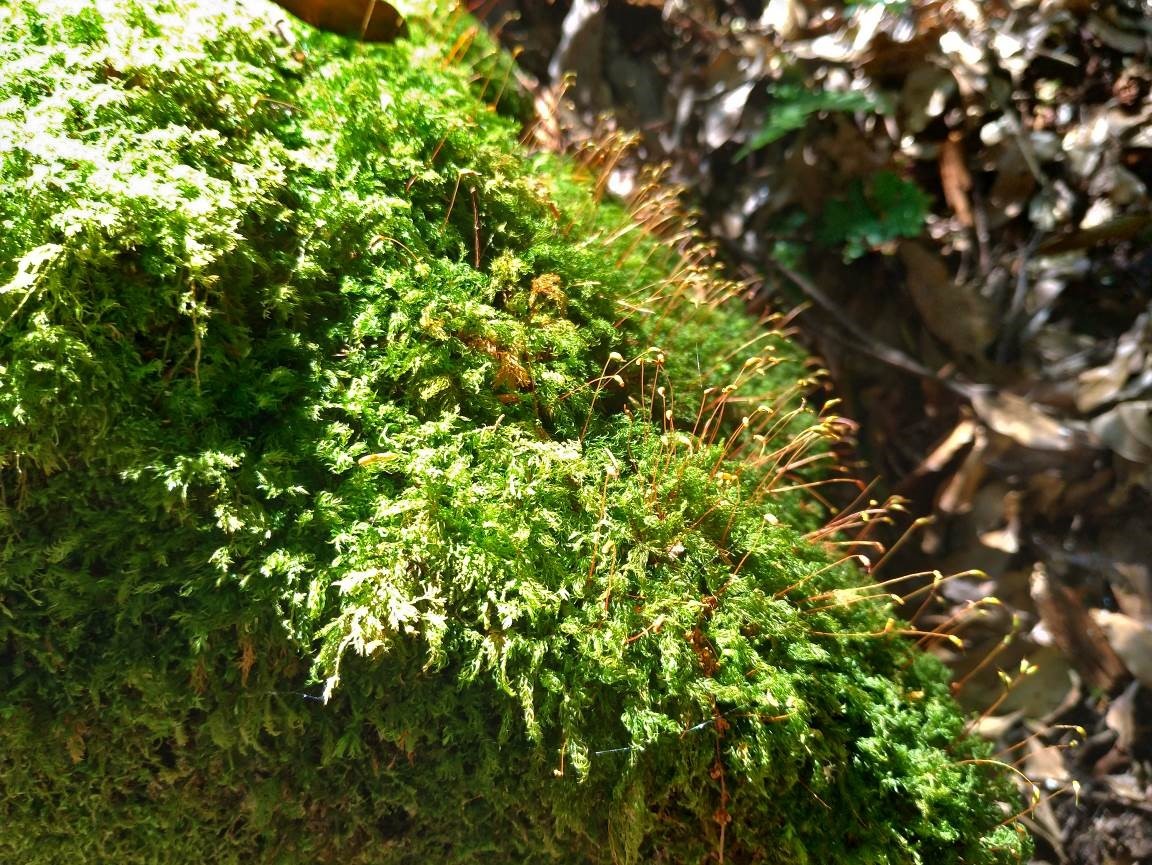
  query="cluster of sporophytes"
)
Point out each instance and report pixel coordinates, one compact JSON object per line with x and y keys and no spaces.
{"x":372,"y":492}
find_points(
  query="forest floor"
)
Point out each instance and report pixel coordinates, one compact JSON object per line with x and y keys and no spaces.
{"x":949,"y":201}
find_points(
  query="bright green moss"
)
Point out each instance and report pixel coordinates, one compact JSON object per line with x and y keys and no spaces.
{"x":326,"y":533}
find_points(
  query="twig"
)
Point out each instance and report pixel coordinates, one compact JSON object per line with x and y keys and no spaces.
{"x":1015,"y":312}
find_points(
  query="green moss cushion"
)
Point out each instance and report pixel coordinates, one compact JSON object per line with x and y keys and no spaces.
{"x":372,"y":493}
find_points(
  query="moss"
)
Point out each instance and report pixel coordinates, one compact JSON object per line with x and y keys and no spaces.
{"x":371,"y":493}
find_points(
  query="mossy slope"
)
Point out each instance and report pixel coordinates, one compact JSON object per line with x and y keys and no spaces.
{"x":326,"y":534}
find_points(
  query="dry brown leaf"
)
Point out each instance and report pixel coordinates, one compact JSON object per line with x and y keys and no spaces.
{"x":995,"y":726}
{"x":786,"y":17}
{"x":1044,"y":762}
{"x":1075,"y":632}
{"x":1099,"y":385}
{"x":366,"y":20}
{"x":723,"y":116}
{"x":1121,"y":228}
{"x":1127,"y":430}
{"x":1130,"y":640}
{"x":1119,"y":185}
{"x":924,"y":96}
{"x":1133,"y":590}
{"x":1007,"y":538}
{"x":1125,"y":548}
{"x":956,"y":495}
{"x":1049,"y":689}
{"x":1125,"y":40}
{"x":1013,"y":187}
{"x":962,"y":435}
{"x":580,"y":52}
{"x":1121,"y":717}
{"x":1022,"y":421}
{"x":962,"y":318}
{"x":1053,"y":493}
{"x":1100,"y":212}
{"x":954,"y":177}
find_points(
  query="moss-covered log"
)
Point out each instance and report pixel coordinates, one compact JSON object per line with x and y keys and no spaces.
{"x":370,"y":492}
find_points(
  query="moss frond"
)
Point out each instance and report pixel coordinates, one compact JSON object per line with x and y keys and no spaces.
{"x":372,"y":491}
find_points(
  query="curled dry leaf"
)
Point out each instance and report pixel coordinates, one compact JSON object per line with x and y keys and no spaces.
{"x":1125,"y":549}
{"x":1132,"y":587}
{"x":1116,"y":230}
{"x":1044,"y":762}
{"x":963,"y":319}
{"x":1130,"y":640}
{"x":1022,"y":421}
{"x":924,"y":96}
{"x":1100,"y":385}
{"x":366,"y":20}
{"x":1121,"y":717}
{"x":1127,"y":430}
{"x":785,"y":17}
{"x":1006,"y":538}
{"x":954,"y":177}
{"x":1075,"y":632}
{"x":956,"y":495}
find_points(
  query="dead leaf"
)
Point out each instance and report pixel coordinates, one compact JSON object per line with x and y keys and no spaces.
{"x":924,"y":97}
{"x":1118,"y":38}
{"x":1121,"y":228}
{"x":962,"y":435}
{"x":1084,"y":144}
{"x":1100,"y":385}
{"x":954,"y":177}
{"x":1006,"y":539}
{"x":1127,"y":430}
{"x":1121,"y":717}
{"x":1100,"y":212}
{"x":1126,"y":547}
{"x":366,"y":20}
{"x":1044,"y":762}
{"x":1119,"y":185}
{"x":723,"y":116}
{"x":1013,"y":187}
{"x":1022,"y":421}
{"x":956,"y":495}
{"x":786,"y":17}
{"x":1075,"y":632}
{"x":1133,"y":589}
{"x":832,"y":48}
{"x":581,"y":52}
{"x":994,"y":726}
{"x":961,"y":317}
{"x":964,"y":51}
{"x":1131,"y":641}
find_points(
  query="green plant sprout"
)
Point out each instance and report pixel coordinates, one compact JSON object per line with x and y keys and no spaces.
{"x":872,"y":214}
{"x":793,"y":105}
{"x":373,"y":490}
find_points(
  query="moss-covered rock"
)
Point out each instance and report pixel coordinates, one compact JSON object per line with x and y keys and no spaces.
{"x":371,"y":493}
